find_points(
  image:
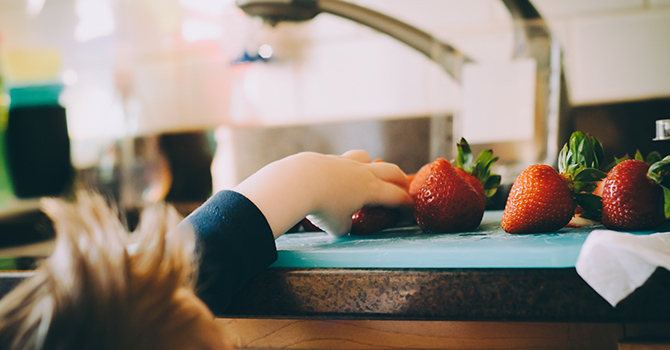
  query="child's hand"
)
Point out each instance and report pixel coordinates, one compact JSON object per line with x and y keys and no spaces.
{"x":326,"y":188}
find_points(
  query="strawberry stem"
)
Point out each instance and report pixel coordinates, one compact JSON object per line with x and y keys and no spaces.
{"x":579,"y":162}
{"x":591,"y":204}
{"x":651,"y":158}
{"x":464,"y":159}
{"x":581,"y":150}
{"x":480,"y":167}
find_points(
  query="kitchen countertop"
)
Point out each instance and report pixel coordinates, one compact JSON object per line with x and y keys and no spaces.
{"x":404,"y":274}
{"x":529,"y":295}
{"x":408,"y":247}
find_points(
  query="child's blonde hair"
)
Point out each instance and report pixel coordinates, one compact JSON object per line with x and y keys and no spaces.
{"x":103,"y":288}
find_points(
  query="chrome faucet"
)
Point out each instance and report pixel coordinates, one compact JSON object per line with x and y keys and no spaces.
{"x":275,"y":11}
{"x":532,"y":39}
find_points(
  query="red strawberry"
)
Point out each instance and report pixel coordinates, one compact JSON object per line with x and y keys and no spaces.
{"x":544,"y":200}
{"x":539,"y":201}
{"x":418,"y":179}
{"x":476,"y":184}
{"x":446,"y":201}
{"x":477,"y":171}
{"x":650,"y":159}
{"x":599,"y":188}
{"x":631,"y":199}
{"x":369,"y":220}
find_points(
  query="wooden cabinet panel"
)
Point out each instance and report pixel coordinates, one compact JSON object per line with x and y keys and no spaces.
{"x":379,"y":334}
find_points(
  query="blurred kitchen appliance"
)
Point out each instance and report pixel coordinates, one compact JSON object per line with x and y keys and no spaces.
{"x":37,"y":144}
{"x":533,"y":40}
{"x":36,"y":140}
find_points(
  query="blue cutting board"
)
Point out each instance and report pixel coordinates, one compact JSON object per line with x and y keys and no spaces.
{"x":487,"y":247}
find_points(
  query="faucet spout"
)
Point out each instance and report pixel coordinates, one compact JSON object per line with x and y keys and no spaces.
{"x":275,"y":11}
{"x":447,"y":56}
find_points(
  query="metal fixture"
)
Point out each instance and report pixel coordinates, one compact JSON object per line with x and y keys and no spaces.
{"x":662,"y":130}
{"x":275,"y":11}
{"x":532,"y":39}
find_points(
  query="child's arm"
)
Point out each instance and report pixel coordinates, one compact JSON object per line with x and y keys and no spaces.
{"x":327,"y":188}
{"x":236,"y":229}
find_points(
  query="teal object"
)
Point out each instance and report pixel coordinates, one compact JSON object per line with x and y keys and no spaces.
{"x":487,"y":247}
{"x":37,"y":95}
{"x":37,"y":145}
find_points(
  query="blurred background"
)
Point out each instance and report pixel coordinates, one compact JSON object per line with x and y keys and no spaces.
{"x":174,"y":99}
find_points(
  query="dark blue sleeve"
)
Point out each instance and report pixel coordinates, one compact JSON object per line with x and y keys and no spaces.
{"x":234,"y":242}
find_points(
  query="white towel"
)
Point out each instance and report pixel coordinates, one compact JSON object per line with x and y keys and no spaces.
{"x":614,"y":263}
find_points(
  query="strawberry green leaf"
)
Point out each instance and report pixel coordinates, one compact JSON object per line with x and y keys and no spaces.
{"x":652,"y":157}
{"x":563,"y":159}
{"x":616,"y":161}
{"x":590,"y":150}
{"x":586,"y":152}
{"x":489,"y":194}
{"x":597,"y":151}
{"x":610,"y":166}
{"x":573,"y":168}
{"x":589,"y":175}
{"x":492,"y":183}
{"x":666,"y":201}
{"x":484,"y":158}
{"x":620,"y":160}
{"x":480,"y":167}
{"x":591,"y":204}
{"x":464,"y":159}
{"x":579,"y":162}
{"x":583,"y":187}
{"x":576,"y":139}
{"x":582,"y":149}
{"x":659,"y":171}
{"x":483,"y":164}
{"x":489,"y":164}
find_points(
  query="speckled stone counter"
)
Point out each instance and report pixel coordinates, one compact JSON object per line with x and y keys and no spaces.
{"x":446,"y":294}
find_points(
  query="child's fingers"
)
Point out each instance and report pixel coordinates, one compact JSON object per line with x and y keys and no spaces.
{"x":357,"y":155}
{"x":391,"y":195}
{"x":389,"y":172}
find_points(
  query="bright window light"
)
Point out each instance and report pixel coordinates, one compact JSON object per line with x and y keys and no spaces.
{"x":265,"y":51}
{"x":34,"y":7}
{"x":197,"y":30}
{"x":209,"y":7}
{"x":70,"y":77}
{"x":95,"y":19}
